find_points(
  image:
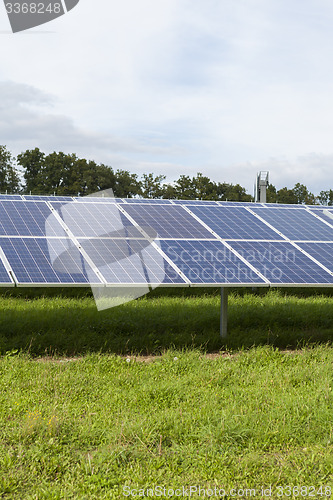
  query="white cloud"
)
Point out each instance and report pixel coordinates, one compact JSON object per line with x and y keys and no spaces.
{"x":179,"y":86}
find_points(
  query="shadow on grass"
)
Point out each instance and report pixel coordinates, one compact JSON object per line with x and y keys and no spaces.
{"x":72,"y":325}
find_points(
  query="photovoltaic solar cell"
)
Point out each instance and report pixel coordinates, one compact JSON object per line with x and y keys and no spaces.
{"x":27,"y":218}
{"x":124,"y":261}
{"x":34,"y":197}
{"x":36,"y":246}
{"x":195,"y":202}
{"x":325,"y":214}
{"x":168,"y":221}
{"x":95,"y":220}
{"x":10,"y":197}
{"x":282,"y":205}
{"x":98,"y":199}
{"x":281,"y":263}
{"x":209,"y":262}
{"x":296,"y":224}
{"x":235,"y":223}
{"x":323,"y":252}
{"x":32,"y":262}
{"x":239,"y":204}
{"x":4,"y":276}
{"x":148,"y":201}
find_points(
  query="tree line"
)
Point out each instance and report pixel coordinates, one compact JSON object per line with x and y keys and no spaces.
{"x":34,"y":172}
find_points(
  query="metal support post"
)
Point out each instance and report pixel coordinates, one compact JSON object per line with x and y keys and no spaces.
{"x":224,"y":313}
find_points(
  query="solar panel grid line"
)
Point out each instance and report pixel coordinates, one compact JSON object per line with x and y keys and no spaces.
{"x":132,"y":221}
{"x":267,"y":224}
{"x":283,"y":264}
{"x":201,"y":222}
{"x":7,"y":267}
{"x":168,"y":221}
{"x":77,"y":244}
{"x":227,"y":245}
{"x":211,"y":263}
{"x":153,"y":243}
{"x":312,"y":258}
{"x":242,"y":258}
{"x":320,"y":218}
{"x":296,"y":224}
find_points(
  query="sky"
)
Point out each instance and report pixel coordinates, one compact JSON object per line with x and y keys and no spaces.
{"x":222,"y":87}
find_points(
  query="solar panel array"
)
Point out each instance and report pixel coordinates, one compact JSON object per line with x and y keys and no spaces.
{"x":58,"y":240}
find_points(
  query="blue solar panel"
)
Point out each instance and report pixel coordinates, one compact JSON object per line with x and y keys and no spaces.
{"x":130,"y":262}
{"x":239,"y":204}
{"x":323,"y":252}
{"x":281,"y":263}
{"x":34,"y":197}
{"x":234,"y":223}
{"x":325,"y":214}
{"x":209,"y":262}
{"x":46,"y":261}
{"x":10,"y":197}
{"x":296,"y":224}
{"x":5,"y":279}
{"x":98,"y":199}
{"x":282,"y":205}
{"x":195,"y":202}
{"x":168,"y":221}
{"x":28,"y":218}
{"x":96,"y":219}
{"x":144,"y":201}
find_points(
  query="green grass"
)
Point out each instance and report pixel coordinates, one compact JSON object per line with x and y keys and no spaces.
{"x":87,"y":427}
{"x":254,"y":414}
{"x":72,"y":325}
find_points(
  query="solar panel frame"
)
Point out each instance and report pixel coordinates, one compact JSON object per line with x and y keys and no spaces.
{"x":231,"y":223}
{"x":211,"y":256}
{"x":11,"y":197}
{"x":169,"y":221}
{"x":147,"y":201}
{"x":30,"y":262}
{"x":195,"y":202}
{"x":141,"y":257}
{"x":97,"y":199}
{"x":93,"y":220}
{"x":305,"y":264}
{"x":33,"y":197}
{"x":239,"y":204}
{"x":305,"y":249}
{"x":296,"y":224}
{"x":5,"y":274}
{"x":28,"y":218}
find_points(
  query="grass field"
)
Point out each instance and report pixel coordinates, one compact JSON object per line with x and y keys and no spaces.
{"x":256,"y":413}
{"x":72,"y":325}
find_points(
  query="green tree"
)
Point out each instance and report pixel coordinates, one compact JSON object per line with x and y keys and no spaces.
{"x":204,"y":188}
{"x":184,"y":188}
{"x":169,"y":192}
{"x":9,"y":176}
{"x":32,"y":161}
{"x":271,"y":195}
{"x":152,"y":187}
{"x":326,"y":197}
{"x":303,"y":195}
{"x":126,"y":184}
{"x":285,"y":195}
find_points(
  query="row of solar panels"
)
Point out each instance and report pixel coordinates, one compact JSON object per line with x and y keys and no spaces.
{"x":48,"y":242}
{"x":101,"y":199}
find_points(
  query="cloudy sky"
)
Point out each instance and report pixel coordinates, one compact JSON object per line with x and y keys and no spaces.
{"x":222,"y":87}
